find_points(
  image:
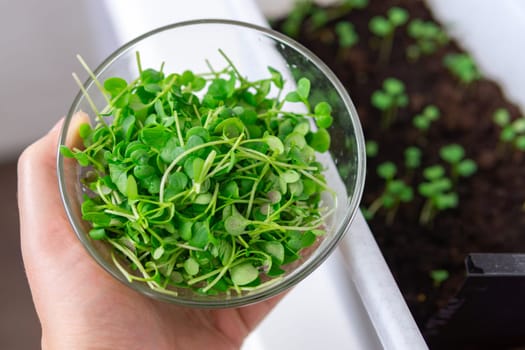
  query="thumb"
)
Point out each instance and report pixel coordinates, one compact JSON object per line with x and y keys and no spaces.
{"x":44,"y":228}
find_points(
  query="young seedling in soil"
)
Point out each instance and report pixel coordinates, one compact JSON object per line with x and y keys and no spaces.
{"x":334,"y":12}
{"x":395,"y":192}
{"x":412,"y":157}
{"x":389,"y":100}
{"x":346,"y":34}
{"x":428,"y":38}
{"x":301,"y":10}
{"x":423,"y":120}
{"x":463,"y":67}
{"x":438,"y":191}
{"x":204,"y":181}
{"x":512,"y":132}
{"x":384,"y":27}
{"x":313,"y":17}
{"x":439,"y":276}
{"x":454,"y":154}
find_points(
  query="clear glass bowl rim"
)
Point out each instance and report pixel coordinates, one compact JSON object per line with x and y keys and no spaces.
{"x":301,"y":271}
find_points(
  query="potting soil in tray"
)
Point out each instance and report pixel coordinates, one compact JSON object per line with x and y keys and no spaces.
{"x":489,"y":216}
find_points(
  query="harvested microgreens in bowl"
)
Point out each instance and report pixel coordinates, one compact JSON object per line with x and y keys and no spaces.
{"x":202,"y":185}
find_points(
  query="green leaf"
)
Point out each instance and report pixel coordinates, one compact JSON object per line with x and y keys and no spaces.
{"x":412,"y":157}
{"x":293,"y":96}
{"x":324,"y":121}
{"x":219,"y":89}
{"x":243,"y":274}
{"x":275,"y":249}
{"x":439,"y":276}
{"x":114,"y":86}
{"x":118,"y":174}
{"x":82,"y":158}
{"x":131,"y":188}
{"x":381,"y":100}
{"x":185,"y":230}
{"x":346,"y":34}
{"x":387,"y":170}
{"x":230,"y":190}
{"x":320,"y":140}
{"x":128,"y":127}
{"x":322,"y":108}
{"x":191,"y":266}
{"x":380,"y":26}
{"x":84,"y":130}
{"x":519,"y":143}
{"x":501,"y":117}
{"x":156,"y":136}
{"x":200,"y":234}
{"x":151,"y":76}
{"x":431,"y":112}
{"x":177,"y":182}
{"x":393,"y":86}
{"x":231,"y":128}
{"x":158,"y":253}
{"x":235,"y":225}
{"x":97,"y":233}
{"x":447,"y":201}
{"x":452,"y":153}
{"x":434,"y":172}
{"x":303,"y":88}
{"x":277,"y":77}
{"x":308,"y":238}
{"x":290,"y":176}
{"x":66,"y":152}
{"x":275,"y":144}
{"x":397,"y":16}
{"x":467,"y":167}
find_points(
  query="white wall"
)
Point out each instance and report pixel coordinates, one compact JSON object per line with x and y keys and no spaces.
{"x":492,"y":32}
{"x":38,"y":43}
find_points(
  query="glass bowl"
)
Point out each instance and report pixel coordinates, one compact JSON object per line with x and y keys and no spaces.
{"x":194,"y":45}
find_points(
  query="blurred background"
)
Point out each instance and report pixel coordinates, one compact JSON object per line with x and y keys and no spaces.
{"x":39,"y":41}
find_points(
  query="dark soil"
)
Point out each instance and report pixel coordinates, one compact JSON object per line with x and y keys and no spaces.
{"x":490,"y":217}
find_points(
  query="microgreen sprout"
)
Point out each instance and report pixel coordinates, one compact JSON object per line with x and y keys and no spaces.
{"x":423,"y":120}
{"x":395,"y":192}
{"x":389,"y":99}
{"x":412,"y":156}
{"x":439,"y":276}
{"x":428,"y":37}
{"x":204,"y":181}
{"x":438,"y":191}
{"x":346,"y":34}
{"x":318,"y":17}
{"x":463,"y":67}
{"x":512,"y":131}
{"x":454,"y":154}
{"x":351,"y":4}
{"x":292,"y":24}
{"x":384,"y":28}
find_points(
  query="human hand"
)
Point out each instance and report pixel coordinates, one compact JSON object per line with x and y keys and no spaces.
{"x":79,"y":305}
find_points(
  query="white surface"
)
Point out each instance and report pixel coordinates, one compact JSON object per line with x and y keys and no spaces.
{"x":38,"y":41}
{"x":492,"y":32}
{"x":380,"y":295}
{"x":323,"y":311}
